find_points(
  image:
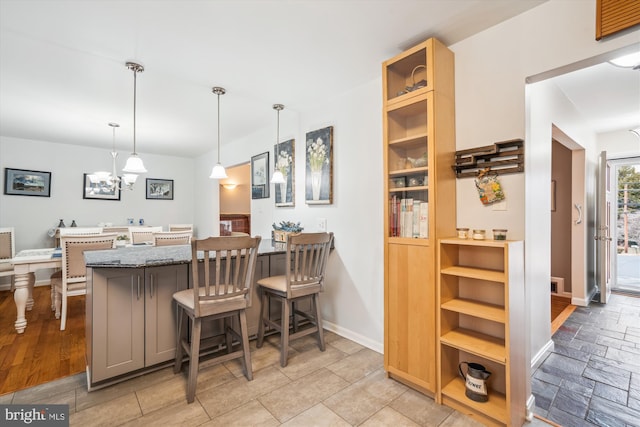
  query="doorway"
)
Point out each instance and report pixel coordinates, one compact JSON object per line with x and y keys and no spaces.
{"x":625,"y":211}
{"x":568,"y":248}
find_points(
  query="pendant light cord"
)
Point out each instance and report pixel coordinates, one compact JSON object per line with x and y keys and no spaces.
{"x":218,"y":127}
{"x":135,"y":91}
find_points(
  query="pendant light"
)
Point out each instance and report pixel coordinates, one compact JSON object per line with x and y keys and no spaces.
{"x":278,"y":177}
{"x":134,"y":163}
{"x":218,"y":171}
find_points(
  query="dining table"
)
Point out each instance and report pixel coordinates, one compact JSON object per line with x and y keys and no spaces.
{"x":25,"y":264}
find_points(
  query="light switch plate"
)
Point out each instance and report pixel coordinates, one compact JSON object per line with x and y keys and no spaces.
{"x":322,"y":224}
{"x":500,"y":206}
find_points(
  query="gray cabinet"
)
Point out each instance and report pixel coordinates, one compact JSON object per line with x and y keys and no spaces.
{"x":131,"y":318}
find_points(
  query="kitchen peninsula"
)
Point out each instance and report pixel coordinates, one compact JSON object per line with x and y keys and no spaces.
{"x":130,"y":313}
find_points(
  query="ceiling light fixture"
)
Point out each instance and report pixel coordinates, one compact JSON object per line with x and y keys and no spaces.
{"x":109,"y":181}
{"x":218,"y":171}
{"x":631,"y":60}
{"x":134,"y":163}
{"x":278,"y":176}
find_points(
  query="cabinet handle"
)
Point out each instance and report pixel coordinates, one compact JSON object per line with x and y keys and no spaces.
{"x":152,"y":286}
{"x":138,"y":286}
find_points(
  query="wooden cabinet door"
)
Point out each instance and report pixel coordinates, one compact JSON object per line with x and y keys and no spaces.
{"x":161,"y":311}
{"x":118,"y":322}
{"x":410,"y":344}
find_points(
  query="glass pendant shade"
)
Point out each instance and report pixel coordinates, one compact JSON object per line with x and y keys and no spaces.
{"x":218,"y":172}
{"x":134,"y":164}
{"x":129,"y":179}
{"x":277,"y":177}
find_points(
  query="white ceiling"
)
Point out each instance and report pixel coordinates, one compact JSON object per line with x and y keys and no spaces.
{"x":63,"y":75}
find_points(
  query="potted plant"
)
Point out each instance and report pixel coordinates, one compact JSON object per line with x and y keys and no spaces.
{"x":281,"y":231}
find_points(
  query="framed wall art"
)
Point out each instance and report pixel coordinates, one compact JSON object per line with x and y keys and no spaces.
{"x":260,"y":176}
{"x":22,"y":182}
{"x":98,"y":190}
{"x":319,"y":167}
{"x":285,"y":163}
{"x":159,"y":189}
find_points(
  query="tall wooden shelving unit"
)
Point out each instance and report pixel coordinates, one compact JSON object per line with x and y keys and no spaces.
{"x":418,"y":123}
{"x":481,"y":319}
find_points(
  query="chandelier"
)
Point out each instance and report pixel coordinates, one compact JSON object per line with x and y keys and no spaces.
{"x":107,"y":182}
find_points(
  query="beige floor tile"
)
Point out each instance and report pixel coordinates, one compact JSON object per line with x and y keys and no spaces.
{"x":86,"y":399}
{"x":229,"y":396}
{"x":114,"y":412}
{"x":388,"y":417}
{"x":364,"y":398}
{"x":179,"y":414}
{"x":317,"y":416}
{"x":420,"y":408}
{"x":357,"y":365}
{"x":175,"y":389}
{"x":287,"y":402}
{"x":457,"y":419}
{"x":251,"y":413}
{"x":267,"y":355}
{"x":310,"y":360}
{"x":342,"y":344}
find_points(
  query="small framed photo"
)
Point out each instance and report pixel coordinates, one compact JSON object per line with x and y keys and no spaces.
{"x":260,"y":176}
{"x":99,"y":190}
{"x":159,"y":189}
{"x":21,"y":182}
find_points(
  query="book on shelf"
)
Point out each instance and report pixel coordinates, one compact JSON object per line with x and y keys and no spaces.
{"x":408,"y":217}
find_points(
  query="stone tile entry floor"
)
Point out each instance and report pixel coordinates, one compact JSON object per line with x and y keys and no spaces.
{"x":592,"y":376}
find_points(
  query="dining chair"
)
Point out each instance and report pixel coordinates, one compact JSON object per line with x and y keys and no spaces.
{"x":305,"y":265}
{"x":169,"y":238}
{"x":222,"y":286}
{"x":181,"y":227}
{"x":7,"y":251}
{"x":72,"y":279}
{"x":142,"y":235}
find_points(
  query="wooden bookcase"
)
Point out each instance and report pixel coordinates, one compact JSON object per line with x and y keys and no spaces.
{"x":481,"y":319}
{"x":418,"y":150}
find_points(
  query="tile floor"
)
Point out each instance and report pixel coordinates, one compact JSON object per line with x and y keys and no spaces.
{"x":592,"y":377}
{"x":343,"y":386}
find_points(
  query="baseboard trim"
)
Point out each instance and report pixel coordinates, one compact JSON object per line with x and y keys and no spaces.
{"x":349,"y":334}
{"x":581,"y":302}
{"x":548,"y":347}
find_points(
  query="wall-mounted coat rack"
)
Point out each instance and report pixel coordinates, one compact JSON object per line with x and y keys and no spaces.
{"x":500,"y":158}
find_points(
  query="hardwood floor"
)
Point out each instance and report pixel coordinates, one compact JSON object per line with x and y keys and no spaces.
{"x":561,"y":309}
{"x":43,"y":352}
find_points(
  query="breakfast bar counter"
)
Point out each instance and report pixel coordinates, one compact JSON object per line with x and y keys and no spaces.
{"x":130,"y":312}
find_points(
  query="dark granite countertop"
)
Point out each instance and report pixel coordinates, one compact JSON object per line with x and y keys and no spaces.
{"x":143,"y":256}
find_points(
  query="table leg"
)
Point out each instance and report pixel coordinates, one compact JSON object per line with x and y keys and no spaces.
{"x":32,"y":282}
{"x":20,"y":297}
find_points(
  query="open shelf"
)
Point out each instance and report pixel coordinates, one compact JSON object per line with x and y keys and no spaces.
{"x":480,"y":318}
{"x":495,"y":407}
{"x":492,"y":312}
{"x":477,"y":343}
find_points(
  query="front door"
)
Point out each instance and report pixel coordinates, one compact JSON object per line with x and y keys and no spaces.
{"x":603,"y":229}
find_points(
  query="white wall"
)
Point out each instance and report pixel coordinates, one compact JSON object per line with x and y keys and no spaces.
{"x":491,"y":70}
{"x":32,"y":216}
{"x":352,"y":303}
